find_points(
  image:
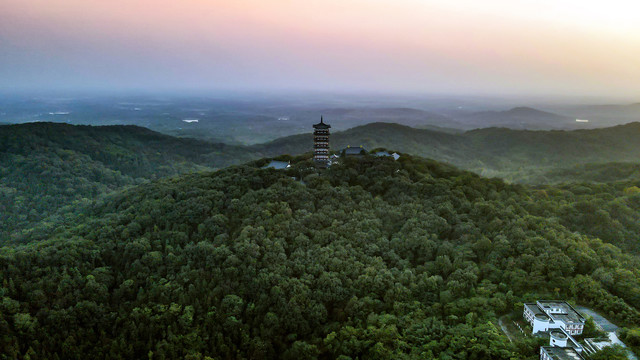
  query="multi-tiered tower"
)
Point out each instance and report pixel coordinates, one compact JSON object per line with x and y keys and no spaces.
{"x":321,"y":143}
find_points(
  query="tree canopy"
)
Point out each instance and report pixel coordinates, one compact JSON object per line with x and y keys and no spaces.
{"x":369,"y":259}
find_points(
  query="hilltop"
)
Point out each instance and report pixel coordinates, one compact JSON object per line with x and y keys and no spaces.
{"x":371,"y":259}
{"x":427,"y":143}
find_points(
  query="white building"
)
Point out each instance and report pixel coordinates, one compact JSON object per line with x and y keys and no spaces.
{"x":560,"y":338}
{"x":545,"y":315}
{"x":278,"y":165}
{"x":558,"y":353}
{"x":395,"y":155}
{"x":562,"y":346}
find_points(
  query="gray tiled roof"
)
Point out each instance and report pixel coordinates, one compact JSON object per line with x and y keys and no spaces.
{"x":354,"y":150}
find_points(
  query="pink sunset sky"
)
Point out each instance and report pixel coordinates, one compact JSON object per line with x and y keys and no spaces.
{"x":494,"y":47}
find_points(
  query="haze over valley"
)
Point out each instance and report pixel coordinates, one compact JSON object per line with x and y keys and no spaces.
{"x":250,"y":119}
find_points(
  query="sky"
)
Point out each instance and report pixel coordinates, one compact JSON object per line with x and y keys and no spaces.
{"x":525,"y":47}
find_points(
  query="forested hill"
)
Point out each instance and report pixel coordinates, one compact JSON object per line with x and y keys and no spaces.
{"x":429,"y":143}
{"x":140,"y":152}
{"x":134,"y":151}
{"x":45,"y":166}
{"x":512,"y":154}
{"x":370,"y":259}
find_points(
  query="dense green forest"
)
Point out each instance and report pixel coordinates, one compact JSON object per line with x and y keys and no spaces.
{"x":586,"y":173}
{"x":49,"y":170}
{"x":45,"y":168}
{"x":610,"y":212}
{"x":370,"y":259}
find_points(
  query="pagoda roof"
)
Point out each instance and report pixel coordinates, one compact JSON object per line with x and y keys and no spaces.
{"x":321,"y":125}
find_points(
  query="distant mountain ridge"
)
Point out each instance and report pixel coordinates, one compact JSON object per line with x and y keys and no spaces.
{"x":356,"y":116}
{"x":518,"y":118}
{"x":608,"y":114}
{"x":256,"y":119}
{"x":490,"y":151}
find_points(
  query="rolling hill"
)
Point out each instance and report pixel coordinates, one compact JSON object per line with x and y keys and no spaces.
{"x":499,"y":152}
{"x":46,"y":167}
{"x":428,"y":143}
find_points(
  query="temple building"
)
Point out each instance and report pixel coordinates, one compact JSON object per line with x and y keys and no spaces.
{"x":321,"y":143}
{"x":354,"y":151}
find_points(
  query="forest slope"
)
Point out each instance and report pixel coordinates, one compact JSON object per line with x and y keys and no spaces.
{"x":45,"y":166}
{"x":371,"y":259}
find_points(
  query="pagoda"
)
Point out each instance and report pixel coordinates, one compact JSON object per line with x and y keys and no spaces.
{"x":321,"y":143}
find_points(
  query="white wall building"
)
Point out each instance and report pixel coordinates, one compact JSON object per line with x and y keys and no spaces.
{"x":562,"y":346}
{"x":557,"y":353}
{"x":545,"y":315}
